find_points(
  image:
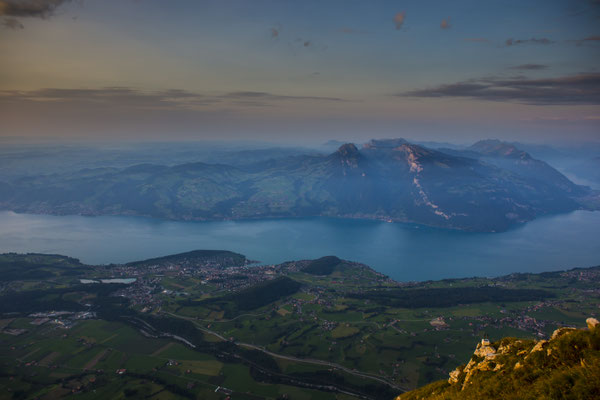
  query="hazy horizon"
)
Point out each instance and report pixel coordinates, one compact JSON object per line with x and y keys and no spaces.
{"x":234,"y":143}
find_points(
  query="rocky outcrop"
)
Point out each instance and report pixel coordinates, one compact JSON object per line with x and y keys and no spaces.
{"x":560,"y":331}
{"x":508,"y":354}
{"x":455,"y":375}
{"x":484,"y":350}
{"x":539,"y":346}
{"x":482,"y":360}
{"x":567,"y":366}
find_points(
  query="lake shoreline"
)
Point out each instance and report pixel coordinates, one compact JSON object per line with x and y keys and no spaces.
{"x":360,"y":217}
{"x":405,"y":252}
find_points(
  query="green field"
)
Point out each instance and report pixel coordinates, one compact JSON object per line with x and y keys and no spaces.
{"x":287,"y":332}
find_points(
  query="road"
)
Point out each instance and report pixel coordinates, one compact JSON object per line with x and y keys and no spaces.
{"x":313,"y":361}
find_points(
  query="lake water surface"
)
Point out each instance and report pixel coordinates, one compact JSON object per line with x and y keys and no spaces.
{"x":404,"y":252}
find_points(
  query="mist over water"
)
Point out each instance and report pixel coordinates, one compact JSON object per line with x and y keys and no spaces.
{"x":404,"y":252}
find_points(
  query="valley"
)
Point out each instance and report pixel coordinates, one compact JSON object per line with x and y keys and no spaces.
{"x":298,"y":200}
{"x":324,"y":328}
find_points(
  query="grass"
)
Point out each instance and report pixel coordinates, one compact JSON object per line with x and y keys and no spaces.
{"x":128,"y":349}
{"x":207,"y":367}
{"x":283,"y":311}
{"x":321,"y":320}
{"x":344,"y":331}
{"x":466,"y":312}
{"x":143,"y":363}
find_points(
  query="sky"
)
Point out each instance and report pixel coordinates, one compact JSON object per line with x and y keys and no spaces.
{"x":300,"y":71}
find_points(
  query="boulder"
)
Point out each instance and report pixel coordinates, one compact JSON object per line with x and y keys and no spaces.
{"x":592,"y":323}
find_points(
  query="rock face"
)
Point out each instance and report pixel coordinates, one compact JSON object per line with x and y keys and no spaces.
{"x":488,"y":353}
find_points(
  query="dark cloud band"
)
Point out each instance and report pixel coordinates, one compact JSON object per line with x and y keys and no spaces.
{"x":30,"y":8}
{"x":166,"y":99}
{"x":568,"y":90}
{"x":530,"y":67}
{"x":543,"y":41}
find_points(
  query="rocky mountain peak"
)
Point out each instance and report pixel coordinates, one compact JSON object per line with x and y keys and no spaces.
{"x":348,"y":155}
{"x":384,"y":143}
{"x":348,"y":150}
{"x":497,"y":148}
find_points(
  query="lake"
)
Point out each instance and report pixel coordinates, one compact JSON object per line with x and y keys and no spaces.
{"x":112,"y":280}
{"x":403,"y":251}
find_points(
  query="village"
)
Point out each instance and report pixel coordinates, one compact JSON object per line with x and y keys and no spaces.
{"x":148,"y":287}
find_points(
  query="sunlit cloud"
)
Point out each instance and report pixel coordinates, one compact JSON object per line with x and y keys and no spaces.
{"x":445,"y":24}
{"x":399,"y":20}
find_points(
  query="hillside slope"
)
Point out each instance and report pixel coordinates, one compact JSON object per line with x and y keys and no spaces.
{"x":565,"y":367}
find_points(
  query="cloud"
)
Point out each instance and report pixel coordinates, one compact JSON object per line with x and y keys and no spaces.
{"x":567,"y":90}
{"x":117,"y":112}
{"x":399,"y":20}
{"x":445,"y":24}
{"x":587,"y":39}
{"x":109,"y":96}
{"x":130,"y":98}
{"x":27,"y":9}
{"x":476,"y":40}
{"x":303,"y":43}
{"x":276,"y":97}
{"x":30,"y":8}
{"x":275,"y":31}
{"x":513,"y":42}
{"x":530,"y":67}
{"x":12,"y":23}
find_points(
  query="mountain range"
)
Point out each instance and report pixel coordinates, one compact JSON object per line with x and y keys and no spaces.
{"x":489,"y":186}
